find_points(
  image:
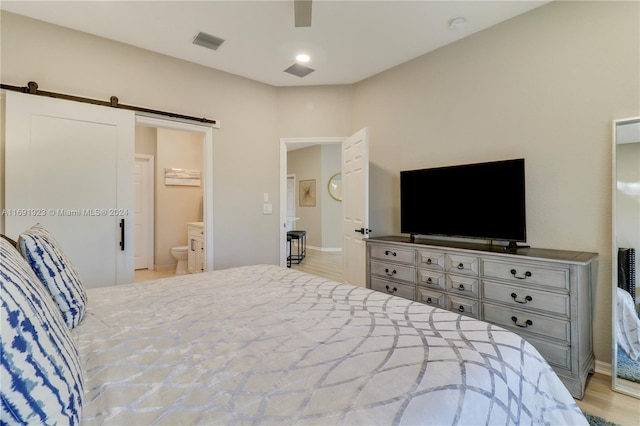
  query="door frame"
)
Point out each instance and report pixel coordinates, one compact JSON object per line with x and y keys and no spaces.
{"x":151,"y":207}
{"x":284,"y":143}
{"x":206,"y":130}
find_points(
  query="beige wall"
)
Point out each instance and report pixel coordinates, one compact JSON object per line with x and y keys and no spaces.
{"x":544,"y":86}
{"x":331,"y":209}
{"x":146,"y":138}
{"x":175,"y":205}
{"x":317,"y":111}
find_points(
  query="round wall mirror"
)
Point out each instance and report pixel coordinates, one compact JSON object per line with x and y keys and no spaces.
{"x":335,"y":186}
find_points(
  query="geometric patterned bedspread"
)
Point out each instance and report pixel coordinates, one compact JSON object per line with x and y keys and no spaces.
{"x":264,"y":344}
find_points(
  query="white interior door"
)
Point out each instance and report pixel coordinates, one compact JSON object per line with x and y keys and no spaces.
{"x":72,"y":164}
{"x":291,"y":202}
{"x":144,"y":201}
{"x":355,"y":206}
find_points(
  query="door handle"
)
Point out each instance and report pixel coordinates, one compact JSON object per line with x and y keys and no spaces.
{"x":363,"y":231}
{"x":122,"y":234}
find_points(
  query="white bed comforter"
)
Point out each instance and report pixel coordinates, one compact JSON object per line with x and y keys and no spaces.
{"x":264,"y":344}
{"x":627,"y":325}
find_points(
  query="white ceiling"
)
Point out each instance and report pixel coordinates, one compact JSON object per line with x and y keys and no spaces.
{"x":348,"y":40}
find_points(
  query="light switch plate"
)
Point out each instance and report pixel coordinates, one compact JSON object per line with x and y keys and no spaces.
{"x":267,"y":208}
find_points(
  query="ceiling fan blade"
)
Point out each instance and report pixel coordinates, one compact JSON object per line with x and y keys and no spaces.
{"x":302,"y":11}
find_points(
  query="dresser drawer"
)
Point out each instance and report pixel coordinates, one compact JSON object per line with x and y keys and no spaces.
{"x":429,"y":297}
{"x":524,"y":274}
{"x":461,"y":264}
{"x":555,"y":355}
{"x":464,"y":306}
{"x":393,"y":254}
{"x":432,"y":279}
{"x":393,"y":272}
{"x":394,"y":288}
{"x":431,"y":259}
{"x":462,"y":286}
{"x":526,"y":298}
{"x":527,"y":322}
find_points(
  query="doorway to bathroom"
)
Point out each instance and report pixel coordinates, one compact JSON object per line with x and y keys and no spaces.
{"x":173,"y":188}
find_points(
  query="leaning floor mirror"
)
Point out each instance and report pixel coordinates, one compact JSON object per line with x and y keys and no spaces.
{"x":625,"y":359}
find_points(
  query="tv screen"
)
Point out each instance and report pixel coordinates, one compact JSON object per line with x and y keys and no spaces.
{"x":483,"y":200}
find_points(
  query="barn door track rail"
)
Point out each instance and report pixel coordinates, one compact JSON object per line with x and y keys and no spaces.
{"x":32,"y":88}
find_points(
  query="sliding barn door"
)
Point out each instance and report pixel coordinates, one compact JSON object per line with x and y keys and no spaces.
{"x":69,"y":166}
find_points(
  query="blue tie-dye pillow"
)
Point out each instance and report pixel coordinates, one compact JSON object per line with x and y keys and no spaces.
{"x":41,"y":374}
{"x":46,"y":258}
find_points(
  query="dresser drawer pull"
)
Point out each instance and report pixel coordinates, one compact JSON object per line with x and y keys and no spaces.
{"x":526,"y":324}
{"x":526,"y":299}
{"x":461,"y":308}
{"x":461,"y":287}
{"x":526,"y":274}
{"x":393,"y":290}
{"x":428,"y":300}
{"x":392,"y":253}
{"x":428,"y":262}
{"x":429,"y":280}
{"x":386,"y":271}
{"x":460,"y":266}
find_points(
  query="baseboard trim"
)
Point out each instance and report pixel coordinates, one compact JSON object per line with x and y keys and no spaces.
{"x":324,"y":248}
{"x":603,"y":368}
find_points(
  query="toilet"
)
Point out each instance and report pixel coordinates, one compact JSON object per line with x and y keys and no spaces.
{"x":180,"y":253}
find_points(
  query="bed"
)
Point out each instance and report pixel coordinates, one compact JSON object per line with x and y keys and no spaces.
{"x":264,"y":344}
{"x":627,"y":325}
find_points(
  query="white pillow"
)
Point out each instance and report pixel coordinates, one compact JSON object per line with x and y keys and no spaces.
{"x":40,"y":372}
{"x":46,"y":258}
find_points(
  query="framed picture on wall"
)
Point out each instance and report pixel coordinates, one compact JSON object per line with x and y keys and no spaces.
{"x":181,"y":177}
{"x":307,"y":193}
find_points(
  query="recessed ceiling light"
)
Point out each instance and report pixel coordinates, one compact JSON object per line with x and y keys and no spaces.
{"x":303,"y":58}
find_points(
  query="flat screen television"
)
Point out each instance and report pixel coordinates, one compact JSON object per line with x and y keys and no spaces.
{"x":482,"y":200}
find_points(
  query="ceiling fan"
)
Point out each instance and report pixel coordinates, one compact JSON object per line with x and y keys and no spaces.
{"x":302,"y":13}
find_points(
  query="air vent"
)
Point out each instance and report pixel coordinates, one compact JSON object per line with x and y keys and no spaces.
{"x":208,"y":41}
{"x":299,"y":70}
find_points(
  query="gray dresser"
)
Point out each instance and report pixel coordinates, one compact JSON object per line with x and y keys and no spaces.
{"x":542,"y":295}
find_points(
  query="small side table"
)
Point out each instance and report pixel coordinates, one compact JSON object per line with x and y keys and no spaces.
{"x":301,"y":237}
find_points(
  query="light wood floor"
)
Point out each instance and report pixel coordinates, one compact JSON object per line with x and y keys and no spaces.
{"x":326,"y":264}
{"x":599,"y":399}
{"x":615,"y":407}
